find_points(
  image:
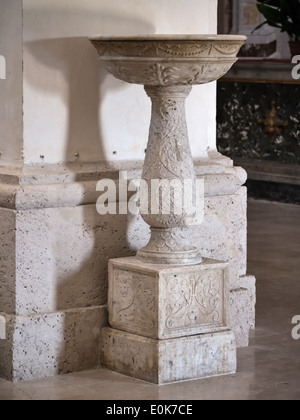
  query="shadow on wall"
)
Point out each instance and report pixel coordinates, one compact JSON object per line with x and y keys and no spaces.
{"x":83,"y":241}
{"x":76,"y":60}
{"x":69,"y":68}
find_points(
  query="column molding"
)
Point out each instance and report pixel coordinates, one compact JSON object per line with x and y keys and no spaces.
{"x":74,"y":185}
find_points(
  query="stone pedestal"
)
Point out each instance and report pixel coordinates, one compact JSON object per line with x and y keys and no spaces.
{"x":163,"y":301}
{"x":168,"y":307}
{"x":170,"y":323}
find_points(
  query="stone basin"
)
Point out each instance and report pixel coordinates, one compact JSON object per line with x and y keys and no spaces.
{"x":169,"y":60}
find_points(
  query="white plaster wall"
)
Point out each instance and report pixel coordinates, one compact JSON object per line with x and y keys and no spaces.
{"x":71,"y":106}
{"x":11,"y":125}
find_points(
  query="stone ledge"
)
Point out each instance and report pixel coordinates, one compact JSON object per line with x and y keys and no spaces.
{"x":73,"y":185}
{"x":44,"y":345}
{"x":242,"y":310}
{"x":269,"y":171}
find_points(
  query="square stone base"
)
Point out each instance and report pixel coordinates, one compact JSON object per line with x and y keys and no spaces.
{"x":164,"y":301}
{"x":172,"y":360}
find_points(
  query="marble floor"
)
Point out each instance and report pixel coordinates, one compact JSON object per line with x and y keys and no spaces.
{"x":268,"y":370}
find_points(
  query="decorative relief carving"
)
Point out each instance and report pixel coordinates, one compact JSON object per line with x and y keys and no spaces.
{"x":135,"y":300}
{"x":159,"y":74}
{"x":119,"y":71}
{"x":162,"y":74}
{"x":192,"y":49}
{"x":168,"y":241}
{"x":168,"y":153}
{"x":168,"y":303}
{"x":185,"y":49}
{"x":168,"y":158}
{"x":196,"y":300}
{"x":189,"y":50}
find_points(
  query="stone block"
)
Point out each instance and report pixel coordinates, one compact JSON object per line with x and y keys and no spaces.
{"x":39,"y":346}
{"x":242,"y":310}
{"x":172,"y":360}
{"x":6,"y":348}
{"x":223,"y":234}
{"x":7,"y":260}
{"x":159,"y":301}
{"x":35,"y":256}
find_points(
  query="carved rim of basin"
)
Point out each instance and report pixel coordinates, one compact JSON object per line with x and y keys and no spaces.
{"x":168,"y":60}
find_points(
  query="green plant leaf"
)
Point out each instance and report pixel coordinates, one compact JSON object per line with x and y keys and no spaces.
{"x":283,"y":14}
{"x":273,"y":16}
{"x":259,"y":26}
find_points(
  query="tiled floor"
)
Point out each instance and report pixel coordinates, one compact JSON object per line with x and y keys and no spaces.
{"x":269,"y":369}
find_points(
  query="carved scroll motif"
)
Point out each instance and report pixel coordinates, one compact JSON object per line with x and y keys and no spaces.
{"x":197,"y":299}
{"x":135,"y":300}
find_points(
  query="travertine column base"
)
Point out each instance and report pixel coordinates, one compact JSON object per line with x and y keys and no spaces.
{"x":167,"y":361}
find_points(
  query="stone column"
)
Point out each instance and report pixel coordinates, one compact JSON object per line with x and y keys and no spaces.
{"x":169,"y":159}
